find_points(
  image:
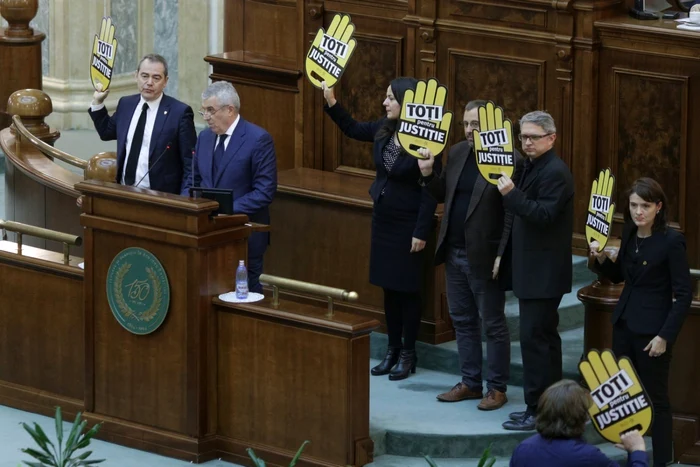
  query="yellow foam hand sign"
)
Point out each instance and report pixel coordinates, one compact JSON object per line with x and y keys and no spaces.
{"x":600,"y":209}
{"x":620,"y":403}
{"x":330,"y":51}
{"x":493,"y":144}
{"x":104,"y":49}
{"x":423,"y":122}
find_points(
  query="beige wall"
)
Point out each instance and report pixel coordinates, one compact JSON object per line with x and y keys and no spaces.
{"x":72,"y":26}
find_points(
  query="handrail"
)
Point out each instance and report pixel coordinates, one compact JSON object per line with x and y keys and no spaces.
{"x":39,"y":232}
{"x":695,"y":274}
{"x":330,"y":293}
{"x":47,"y":148}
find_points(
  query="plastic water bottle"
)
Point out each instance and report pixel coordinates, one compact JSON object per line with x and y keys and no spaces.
{"x":241,"y":281}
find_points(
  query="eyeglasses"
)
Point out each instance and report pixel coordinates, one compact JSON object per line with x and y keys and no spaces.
{"x":533,"y":138}
{"x":474,"y":124}
{"x":210,"y":112}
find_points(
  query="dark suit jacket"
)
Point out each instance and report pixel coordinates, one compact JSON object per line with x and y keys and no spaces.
{"x":174,"y":125}
{"x":537,"y":451}
{"x":400,"y":188}
{"x":543,"y":204}
{"x":661,"y":273}
{"x":249,"y":168}
{"x":487,"y":225}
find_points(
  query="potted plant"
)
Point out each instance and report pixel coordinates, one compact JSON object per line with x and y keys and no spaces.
{"x":261,"y":463}
{"x":49,"y":454}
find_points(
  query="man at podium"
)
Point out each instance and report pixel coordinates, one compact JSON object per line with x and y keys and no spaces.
{"x":155,"y":133}
{"x":237,"y":155}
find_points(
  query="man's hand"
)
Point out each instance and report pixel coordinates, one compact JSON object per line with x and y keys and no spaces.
{"x":426,"y":164}
{"x":505,"y":184}
{"x":496,"y":267}
{"x":99,"y":96}
{"x":656,"y":347}
{"x":328,"y":94}
{"x":599,"y":254}
{"x":417,"y":245}
{"x":632,"y":441}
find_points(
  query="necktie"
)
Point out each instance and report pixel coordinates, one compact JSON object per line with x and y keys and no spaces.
{"x":136,"y":141}
{"x":219,"y":154}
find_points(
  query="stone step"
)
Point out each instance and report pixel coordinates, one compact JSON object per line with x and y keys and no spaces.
{"x":407,"y":423}
{"x":444,"y":357}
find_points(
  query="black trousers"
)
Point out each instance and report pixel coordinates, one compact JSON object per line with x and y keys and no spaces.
{"x":653,"y":373}
{"x":402,"y":311}
{"x":540,"y":345}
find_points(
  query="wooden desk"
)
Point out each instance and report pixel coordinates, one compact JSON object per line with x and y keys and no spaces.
{"x":321,"y":224}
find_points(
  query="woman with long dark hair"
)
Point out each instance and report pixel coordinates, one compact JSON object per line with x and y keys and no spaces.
{"x":402,"y":219}
{"x":652,"y":261}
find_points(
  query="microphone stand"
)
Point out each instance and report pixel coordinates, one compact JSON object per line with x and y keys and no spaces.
{"x":154,"y":164}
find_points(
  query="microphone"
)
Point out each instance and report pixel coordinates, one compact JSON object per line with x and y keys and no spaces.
{"x":192,"y":174}
{"x":167,"y":146}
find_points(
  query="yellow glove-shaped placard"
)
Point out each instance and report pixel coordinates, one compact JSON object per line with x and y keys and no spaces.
{"x":104,"y":49}
{"x":493,"y":144}
{"x":423,"y":122}
{"x":329,"y":53}
{"x":600,"y":209}
{"x":620,"y":403}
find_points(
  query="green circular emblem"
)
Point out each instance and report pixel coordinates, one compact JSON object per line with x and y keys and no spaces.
{"x":138,"y":291}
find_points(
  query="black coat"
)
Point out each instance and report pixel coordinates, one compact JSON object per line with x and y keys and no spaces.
{"x":402,"y":209}
{"x":651,"y":282}
{"x":543,"y":204}
{"x":487,"y":225}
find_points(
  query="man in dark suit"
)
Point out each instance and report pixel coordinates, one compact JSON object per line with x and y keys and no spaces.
{"x":235,"y":154}
{"x":153,"y":131}
{"x":473,"y":237}
{"x":543,"y":207}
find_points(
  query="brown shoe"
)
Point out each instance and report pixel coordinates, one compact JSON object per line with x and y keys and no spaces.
{"x":460,"y":392}
{"x":494,"y":400}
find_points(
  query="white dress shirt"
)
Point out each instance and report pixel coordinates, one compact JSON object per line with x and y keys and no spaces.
{"x":142,"y":166}
{"x":229,"y":132}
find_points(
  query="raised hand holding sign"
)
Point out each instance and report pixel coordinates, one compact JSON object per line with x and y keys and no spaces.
{"x":600,"y":209}
{"x":493,"y":144}
{"x":330,"y":51}
{"x":423,"y":122}
{"x":104,"y":49}
{"x":620,"y":403}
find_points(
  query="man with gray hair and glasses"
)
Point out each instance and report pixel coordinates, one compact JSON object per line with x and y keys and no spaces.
{"x":543,"y":205}
{"x":236,"y":154}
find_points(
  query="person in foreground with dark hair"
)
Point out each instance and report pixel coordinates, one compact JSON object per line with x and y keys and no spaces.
{"x":402,"y":218}
{"x":561,"y":420}
{"x":652,"y":261}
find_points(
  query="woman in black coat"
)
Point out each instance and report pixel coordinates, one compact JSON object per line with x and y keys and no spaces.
{"x":646,"y":321}
{"x":402,"y":219}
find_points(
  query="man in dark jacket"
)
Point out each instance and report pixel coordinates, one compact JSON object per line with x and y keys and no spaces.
{"x":473,"y":237}
{"x":542,"y":228}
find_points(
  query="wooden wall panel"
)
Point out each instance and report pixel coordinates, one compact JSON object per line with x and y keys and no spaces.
{"x":649,"y":116}
{"x":476,"y":75}
{"x":270,"y":16}
{"x":34,"y":351}
{"x":508,"y":13}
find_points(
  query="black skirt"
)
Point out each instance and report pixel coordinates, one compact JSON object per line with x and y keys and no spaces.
{"x":392,"y":265}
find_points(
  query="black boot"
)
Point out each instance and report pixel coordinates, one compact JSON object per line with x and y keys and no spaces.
{"x":406,"y":365}
{"x":390,"y":359}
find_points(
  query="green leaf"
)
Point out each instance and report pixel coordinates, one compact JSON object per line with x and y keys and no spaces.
{"x":430,"y":461}
{"x":33,"y":464}
{"x":40,"y":456}
{"x":258,"y":462}
{"x":298,"y":454}
{"x":59,"y":428}
{"x":490,"y":462}
{"x":39,"y":437}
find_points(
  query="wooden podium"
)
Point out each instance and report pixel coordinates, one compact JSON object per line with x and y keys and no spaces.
{"x":214,"y":378}
{"x":152,"y":391}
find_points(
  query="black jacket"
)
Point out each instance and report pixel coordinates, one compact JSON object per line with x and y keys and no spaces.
{"x":487,"y":225}
{"x":543,"y":204}
{"x":660,"y":273}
